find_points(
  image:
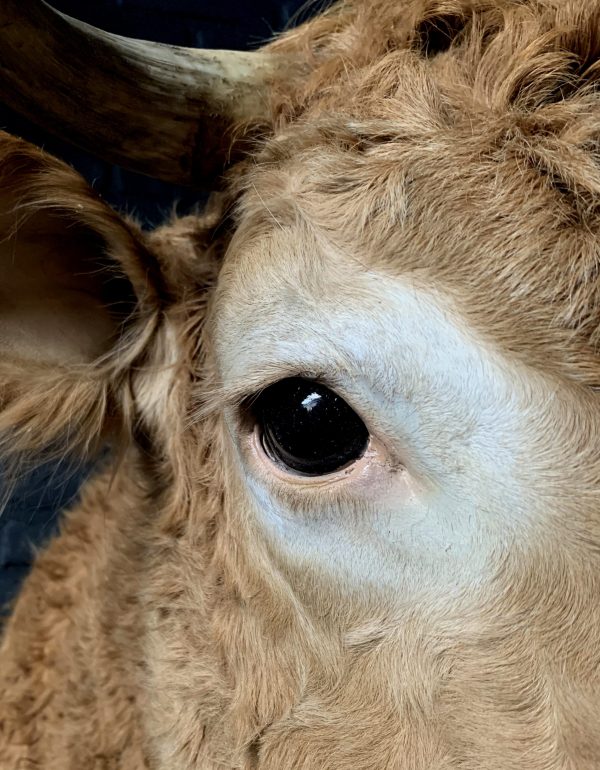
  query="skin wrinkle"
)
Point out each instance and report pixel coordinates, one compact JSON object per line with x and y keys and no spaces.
{"x":419,"y":231}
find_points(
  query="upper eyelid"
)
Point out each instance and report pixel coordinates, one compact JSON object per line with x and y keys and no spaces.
{"x":235,"y":396}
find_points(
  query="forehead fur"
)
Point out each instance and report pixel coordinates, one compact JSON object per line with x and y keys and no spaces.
{"x":458,"y":142}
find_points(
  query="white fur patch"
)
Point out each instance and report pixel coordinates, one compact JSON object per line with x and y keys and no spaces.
{"x":452,"y":415}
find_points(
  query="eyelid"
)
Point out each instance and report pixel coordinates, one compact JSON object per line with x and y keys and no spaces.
{"x":276,"y":475}
{"x":238,"y":394}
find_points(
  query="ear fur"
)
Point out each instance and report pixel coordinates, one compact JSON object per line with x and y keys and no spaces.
{"x":81,"y":297}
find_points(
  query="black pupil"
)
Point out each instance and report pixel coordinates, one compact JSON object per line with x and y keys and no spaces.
{"x":309,"y":428}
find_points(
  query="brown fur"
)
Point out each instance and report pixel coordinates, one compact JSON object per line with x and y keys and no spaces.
{"x":454,"y":142}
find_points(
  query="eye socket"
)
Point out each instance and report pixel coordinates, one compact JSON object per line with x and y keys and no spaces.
{"x":307,"y":428}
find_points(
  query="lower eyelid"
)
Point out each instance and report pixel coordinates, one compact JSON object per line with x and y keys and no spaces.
{"x":371,"y":461}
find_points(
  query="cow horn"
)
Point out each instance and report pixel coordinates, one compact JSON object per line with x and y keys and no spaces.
{"x":174,"y":113}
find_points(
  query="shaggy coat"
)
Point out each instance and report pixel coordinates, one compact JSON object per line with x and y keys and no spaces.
{"x":421,"y":221}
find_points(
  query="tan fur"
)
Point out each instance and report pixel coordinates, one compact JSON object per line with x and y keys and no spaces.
{"x":451,"y":143}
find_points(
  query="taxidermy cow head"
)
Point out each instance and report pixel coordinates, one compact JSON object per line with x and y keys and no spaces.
{"x":352,"y":514}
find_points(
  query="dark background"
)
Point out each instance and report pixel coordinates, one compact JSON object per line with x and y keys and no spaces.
{"x":31,"y":514}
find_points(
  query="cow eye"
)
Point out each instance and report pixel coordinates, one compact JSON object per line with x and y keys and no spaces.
{"x":307,"y":428}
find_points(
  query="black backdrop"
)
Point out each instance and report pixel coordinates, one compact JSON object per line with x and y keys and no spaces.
{"x":31,"y":514}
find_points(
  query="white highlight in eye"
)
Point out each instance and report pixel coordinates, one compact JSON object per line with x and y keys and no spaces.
{"x":310,"y":401}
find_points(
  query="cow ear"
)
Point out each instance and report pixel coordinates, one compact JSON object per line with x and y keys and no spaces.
{"x":80,"y":296}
